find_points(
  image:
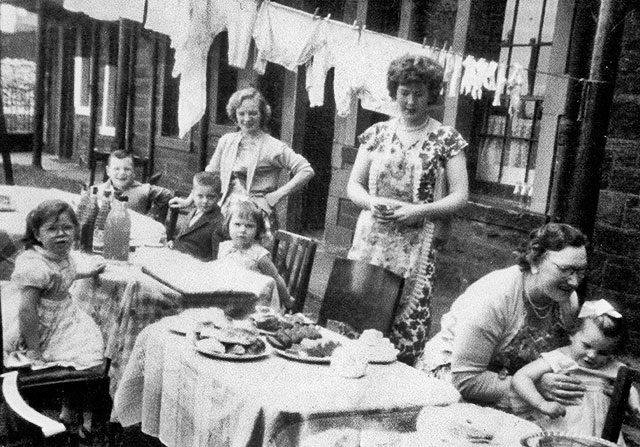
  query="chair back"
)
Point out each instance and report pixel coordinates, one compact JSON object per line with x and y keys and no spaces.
{"x":293,"y":256}
{"x":618,"y":405}
{"x":362,"y":295}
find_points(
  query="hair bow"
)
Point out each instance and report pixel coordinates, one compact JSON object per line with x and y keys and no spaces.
{"x":596,"y":308}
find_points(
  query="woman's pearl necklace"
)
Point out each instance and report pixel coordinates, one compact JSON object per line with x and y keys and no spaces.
{"x":539,"y":310}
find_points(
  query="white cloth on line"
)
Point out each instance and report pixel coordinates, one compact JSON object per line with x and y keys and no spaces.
{"x":286,"y":36}
{"x":109,"y":11}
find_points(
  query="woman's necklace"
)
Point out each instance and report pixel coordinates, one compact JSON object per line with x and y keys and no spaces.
{"x":539,"y":311}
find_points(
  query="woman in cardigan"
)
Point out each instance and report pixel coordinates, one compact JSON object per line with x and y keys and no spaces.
{"x":507,"y":318}
{"x":250,"y":161}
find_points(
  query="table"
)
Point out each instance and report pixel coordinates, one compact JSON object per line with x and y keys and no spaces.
{"x":187,"y":399}
{"x":144,"y":230}
{"x":124,"y":300}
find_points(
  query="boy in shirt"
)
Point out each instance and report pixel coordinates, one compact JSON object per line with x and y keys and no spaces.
{"x":205,"y":228}
{"x":144,"y":198}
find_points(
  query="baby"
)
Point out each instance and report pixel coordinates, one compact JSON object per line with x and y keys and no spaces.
{"x":144,"y":198}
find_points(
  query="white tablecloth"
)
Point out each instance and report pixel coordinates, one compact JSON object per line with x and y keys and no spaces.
{"x":187,"y":399}
{"x":144,"y":230}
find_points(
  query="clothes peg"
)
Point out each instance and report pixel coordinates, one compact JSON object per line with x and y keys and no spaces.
{"x":355,"y":24}
{"x":328,"y":16}
{"x":424,"y":42}
{"x":315,"y":14}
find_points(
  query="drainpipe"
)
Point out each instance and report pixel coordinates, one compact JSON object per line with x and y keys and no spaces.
{"x":582,"y":203}
{"x":583,"y":30}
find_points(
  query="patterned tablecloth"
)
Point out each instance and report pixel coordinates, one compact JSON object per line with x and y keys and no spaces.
{"x":187,"y":399}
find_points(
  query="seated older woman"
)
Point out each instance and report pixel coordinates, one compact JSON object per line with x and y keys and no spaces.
{"x":507,"y":318}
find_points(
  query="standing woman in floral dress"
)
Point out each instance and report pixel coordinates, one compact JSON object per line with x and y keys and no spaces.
{"x":393,"y":180}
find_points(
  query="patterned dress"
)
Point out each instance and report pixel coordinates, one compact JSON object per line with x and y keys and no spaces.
{"x":407,"y":174}
{"x":68,"y":336}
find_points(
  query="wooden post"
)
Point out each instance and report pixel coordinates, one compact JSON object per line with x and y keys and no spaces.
{"x":153,"y":101}
{"x":407,"y":17}
{"x":585,"y":186}
{"x":65,"y":87}
{"x":38,"y":106}
{"x":131,"y":83}
{"x":94,"y":64}
{"x":5,"y":148}
{"x":122,"y":87}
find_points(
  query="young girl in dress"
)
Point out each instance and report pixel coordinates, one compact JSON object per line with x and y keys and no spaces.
{"x":51,"y":329}
{"x":246,"y":226}
{"x":599,"y":335}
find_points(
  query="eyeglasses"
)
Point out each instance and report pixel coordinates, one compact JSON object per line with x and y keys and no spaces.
{"x":568,"y":270}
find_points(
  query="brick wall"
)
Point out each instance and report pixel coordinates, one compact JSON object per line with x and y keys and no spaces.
{"x":616,"y":242}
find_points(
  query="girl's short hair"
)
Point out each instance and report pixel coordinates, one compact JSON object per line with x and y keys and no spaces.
{"x":611,"y":328}
{"x":246,"y":209}
{"x":549,"y":237}
{"x":249,"y":93}
{"x":412,"y":68}
{"x":43,"y":212}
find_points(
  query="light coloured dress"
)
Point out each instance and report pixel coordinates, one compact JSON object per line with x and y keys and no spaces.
{"x":247,"y":258}
{"x":407,"y":174}
{"x":586,"y":419}
{"x":68,"y":336}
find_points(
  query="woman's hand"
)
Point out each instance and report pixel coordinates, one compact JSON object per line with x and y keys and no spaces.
{"x":382,"y":209}
{"x":408,"y":214}
{"x":561,"y":388}
{"x":273,"y":198}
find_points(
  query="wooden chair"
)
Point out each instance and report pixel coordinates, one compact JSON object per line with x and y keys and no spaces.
{"x":617,"y":408}
{"x":174,"y":213}
{"x":24,"y":382}
{"x":293,"y":256}
{"x":362,"y":295}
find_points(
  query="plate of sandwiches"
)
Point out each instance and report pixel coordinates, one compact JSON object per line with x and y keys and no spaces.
{"x":231,"y":343}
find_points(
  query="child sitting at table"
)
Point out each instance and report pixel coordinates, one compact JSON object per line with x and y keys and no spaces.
{"x":144,"y":198}
{"x":50,"y":328}
{"x":205,"y":228}
{"x":245,"y":225}
{"x":599,"y":335}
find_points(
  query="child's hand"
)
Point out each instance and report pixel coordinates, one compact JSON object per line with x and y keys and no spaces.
{"x":553,"y":409}
{"x":179,"y":202}
{"x":97,"y":268}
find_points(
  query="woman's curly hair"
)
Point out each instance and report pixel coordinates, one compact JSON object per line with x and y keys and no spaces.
{"x":411,"y":68}
{"x":549,"y":237}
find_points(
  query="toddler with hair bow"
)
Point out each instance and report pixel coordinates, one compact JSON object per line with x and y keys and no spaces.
{"x":600,"y":333}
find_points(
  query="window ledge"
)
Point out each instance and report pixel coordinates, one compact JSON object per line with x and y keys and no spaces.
{"x":501,"y":212}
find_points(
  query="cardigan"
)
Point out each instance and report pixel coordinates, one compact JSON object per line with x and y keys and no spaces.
{"x":482,"y":322}
{"x":264,"y":173}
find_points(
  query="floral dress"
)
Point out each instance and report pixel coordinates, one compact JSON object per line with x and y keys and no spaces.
{"x":407,"y":174}
{"x":68,"y":336}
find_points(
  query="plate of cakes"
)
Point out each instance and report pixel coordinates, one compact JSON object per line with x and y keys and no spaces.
{"x":236,"y":341}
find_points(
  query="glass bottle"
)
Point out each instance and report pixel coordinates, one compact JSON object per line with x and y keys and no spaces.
{"x":117,"y":231}
{"x":101,"y":219}
{"x":88,"y":221}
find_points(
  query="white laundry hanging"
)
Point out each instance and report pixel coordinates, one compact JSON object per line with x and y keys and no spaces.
{"x":197,"y":24}
{"x":501,"y":81}
{"x":514,"y":87}
{"x":456,"y":76}
{"x":286,"y":36}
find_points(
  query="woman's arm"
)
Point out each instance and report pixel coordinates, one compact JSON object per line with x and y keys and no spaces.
{"x":28,"y":316}
{"x":358,"y":186}
{"x":297,"y":165}
{"x":456,"y":170}
{"x":297,"y":182}
{"x":524,"y":384}
{"x":267,"y":267}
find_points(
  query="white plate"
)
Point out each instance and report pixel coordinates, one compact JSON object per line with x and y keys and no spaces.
{"x":305,"y":359}
{"x":224,"y":356}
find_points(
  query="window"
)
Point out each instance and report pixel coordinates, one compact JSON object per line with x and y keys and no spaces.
{"x":170,"y":97}
{"x":81,"y":76}
{"x":109,"y":74}
{"x":508,"y":143}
